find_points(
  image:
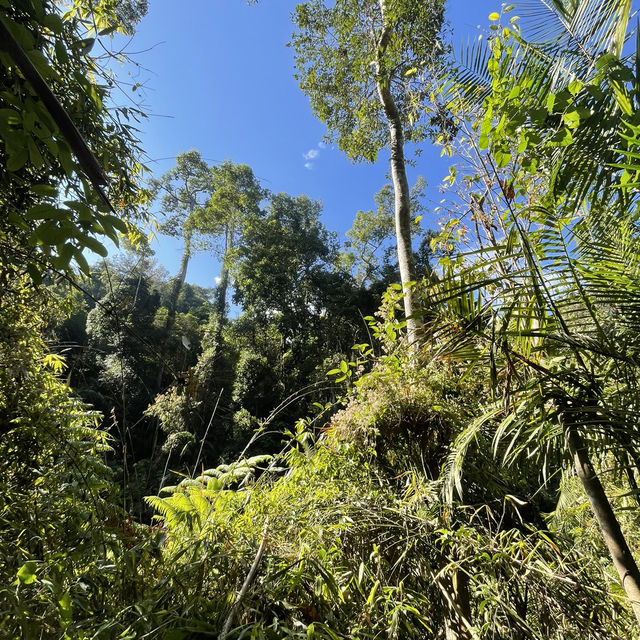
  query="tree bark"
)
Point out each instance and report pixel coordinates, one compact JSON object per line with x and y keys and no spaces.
{"x":178,"y":283}
{"x":221,"y":293}
{"x":612,"y":535}
{"x":402,"y":209}
{"x":455,"y":589}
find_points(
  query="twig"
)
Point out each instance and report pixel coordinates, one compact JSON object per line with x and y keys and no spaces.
{"x":245,"y":587}
{"x":206,"y":432}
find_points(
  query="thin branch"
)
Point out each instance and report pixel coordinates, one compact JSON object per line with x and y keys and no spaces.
{"x":247,"y":583}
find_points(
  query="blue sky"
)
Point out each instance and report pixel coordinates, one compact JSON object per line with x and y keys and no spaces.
{"x":218,"y":77}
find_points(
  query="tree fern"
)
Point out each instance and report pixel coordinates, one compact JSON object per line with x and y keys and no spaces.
{"x":191,"y":502}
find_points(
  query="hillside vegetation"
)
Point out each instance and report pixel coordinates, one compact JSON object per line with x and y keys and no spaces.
{"x":409,"y":434}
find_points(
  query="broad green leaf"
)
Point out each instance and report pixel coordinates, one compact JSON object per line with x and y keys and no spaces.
{"x":574,"y":87}
{"x":50,"y":233}
{"x":10,"y":116}
{"x":61,"y":52}
{"x":115,"y":222}
{"x":514,"y":93}
{"x":27,"y":572}
{"x":84,"y":211}
{"x":91,"y":243}
{"x":17,"y":159}
{"x":82,"y":261}
{"x":571,"y":119}
{"x":108,"y":30}
{"x":53,"y":22}
{"x":65,"y":607}
{"x":65,"y":254}
{"x":44,"y":190}
{"x":35,"y":157}
{"x":551,"y":100}
{"x":562,"y":138}
{"x":35,"y":273}
{"x":85,"y":45}
{"x":538,"y":116}
{"x":502,"y":158}
{"x":45,"y":211}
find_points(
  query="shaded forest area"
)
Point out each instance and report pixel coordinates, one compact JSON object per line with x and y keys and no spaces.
{"x":178,"y":382}
{"x":412,"y":434}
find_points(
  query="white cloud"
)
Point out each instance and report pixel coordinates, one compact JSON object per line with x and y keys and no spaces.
{"x":312,"y":154}
{"x":217,"y":279}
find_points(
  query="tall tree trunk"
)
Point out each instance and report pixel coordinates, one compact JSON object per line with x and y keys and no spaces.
{"x":402,"y":209}
{"x":174,"y":294}
{"x":609,"y":526}
{"x":178,"y":283}
{"x":221,"y":291}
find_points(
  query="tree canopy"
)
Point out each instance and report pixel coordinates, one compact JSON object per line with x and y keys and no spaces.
{"x":347,"y":50}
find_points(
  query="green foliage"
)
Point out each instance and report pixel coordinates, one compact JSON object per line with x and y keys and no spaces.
{"x":51,"y":213}
{"x":556,"y":285}
{"x":254,"y":379}
{"x":173,"y":410}
{"x":545,"y":302}
{"x":181,"y":191}
{"x":346,"y":50}
{"x":370,"y":248}
{"x":66,"y":567}
{"x":355,"y":552}
{"x":232,"y":208}
{"x":551,"y":110}
{"x":292,"y":237}
{"x":434,"y":499}
{"x":359,"y":64}
{"x":121,"y":357}
{"x":234,"y":202}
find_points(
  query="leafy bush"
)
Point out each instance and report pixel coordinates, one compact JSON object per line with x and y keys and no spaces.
{"x":348,"y":536}
{"x":74,"y":564}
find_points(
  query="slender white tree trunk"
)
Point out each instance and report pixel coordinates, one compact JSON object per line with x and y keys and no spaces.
{"x":223,"y":285}
{"x":402,"y":209}
{"x":402,"y":212}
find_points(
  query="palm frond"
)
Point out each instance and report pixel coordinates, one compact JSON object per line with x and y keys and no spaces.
{"x":468,"y":81}
{"x":556,"y":42}
{"x":453,"y":468}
